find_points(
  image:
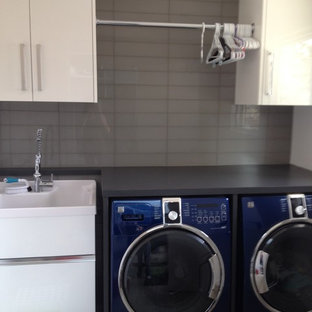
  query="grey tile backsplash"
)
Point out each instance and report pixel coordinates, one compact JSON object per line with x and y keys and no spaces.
{"x":158,"y":105}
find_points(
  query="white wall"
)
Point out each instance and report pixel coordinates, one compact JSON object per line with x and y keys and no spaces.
{"x":301,"y":146}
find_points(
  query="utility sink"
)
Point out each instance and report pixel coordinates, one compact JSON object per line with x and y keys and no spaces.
{"x":65,"y":197}
{"x":58,"y":221}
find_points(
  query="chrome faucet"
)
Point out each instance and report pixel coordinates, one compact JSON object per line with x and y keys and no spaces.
{"x":38,"y":182}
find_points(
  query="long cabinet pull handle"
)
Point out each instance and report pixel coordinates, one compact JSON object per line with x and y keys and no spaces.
{"x":23,"y":66}
{"x":39,"y":66}
{"x":47,"y":260}
{"x":270,"y":73}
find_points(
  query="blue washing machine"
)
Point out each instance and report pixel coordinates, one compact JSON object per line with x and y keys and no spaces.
{"x":170,"y":255}
{"x":277,"y":246}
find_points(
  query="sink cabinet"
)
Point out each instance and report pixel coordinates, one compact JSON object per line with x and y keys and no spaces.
{"x":48,"y":50}
{"x":279,"y":73}
{"x":47,"y":254}
{"x":56,"y":286}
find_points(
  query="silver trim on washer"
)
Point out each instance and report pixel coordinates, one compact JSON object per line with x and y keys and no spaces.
{"x":217,"y":262}
{"x":171,"y":200}
{"x":301,"y":196}
{"x":46,"y":260}
{"x":252,"y":263}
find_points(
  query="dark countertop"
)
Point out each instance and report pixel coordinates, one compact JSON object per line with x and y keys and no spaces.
{"x":208,"y":180}
{"x":176,"y":181}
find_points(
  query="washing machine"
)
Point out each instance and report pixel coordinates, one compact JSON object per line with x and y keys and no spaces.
{"x":170,"y":255}
{"x":277,"y":253}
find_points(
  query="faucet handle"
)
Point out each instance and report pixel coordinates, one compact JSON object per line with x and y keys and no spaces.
{"x":47,"y":182}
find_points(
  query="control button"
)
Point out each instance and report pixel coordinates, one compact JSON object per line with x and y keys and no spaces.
{"x":217,"y":219}
{"x":300,"y":210}
{"x":205,"y":219}
{"x":223,"y":206}
{"x":173,"y":215}
{"x":199,"y":219}
{"x":223,"y":218}
{"x":211,"y":219}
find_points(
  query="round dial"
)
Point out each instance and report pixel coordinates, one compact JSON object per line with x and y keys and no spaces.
{"x":173,"y":215}
{"x":300,"y":210}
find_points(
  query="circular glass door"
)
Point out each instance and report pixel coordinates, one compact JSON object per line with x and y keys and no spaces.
{"x":176,"y":268}
{"x":281,"y":270}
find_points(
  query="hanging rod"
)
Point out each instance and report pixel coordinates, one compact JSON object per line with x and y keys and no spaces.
{"x":152,"y":24}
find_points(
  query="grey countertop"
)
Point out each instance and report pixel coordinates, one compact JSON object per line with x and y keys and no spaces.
{"x":208,"y":180}
{"x":177,"y":181}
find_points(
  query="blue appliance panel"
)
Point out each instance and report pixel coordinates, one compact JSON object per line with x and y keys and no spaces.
{"x":209,"y":214}
{"x":259,"y":215}
{"x":131,"y":218}
{"x":309,"y":205}
{"x":212,"y":216}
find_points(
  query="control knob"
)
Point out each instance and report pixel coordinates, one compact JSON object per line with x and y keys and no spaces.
{"x":300,"y":210}
{"x":173,"y":215}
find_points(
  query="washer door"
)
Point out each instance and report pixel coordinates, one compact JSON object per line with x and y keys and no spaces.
{"x":281,"y":269}
{"x":171,"y":268}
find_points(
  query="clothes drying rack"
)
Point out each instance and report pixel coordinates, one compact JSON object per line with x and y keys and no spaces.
{"x":218,"y":59}
{"x":154,"y":24}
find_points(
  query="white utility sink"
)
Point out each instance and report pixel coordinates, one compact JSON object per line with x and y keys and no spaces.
{"x":65,"y":197}
{"x":57,"y":221}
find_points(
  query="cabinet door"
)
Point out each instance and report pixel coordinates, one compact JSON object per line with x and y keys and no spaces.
{"x":62,"y":35}
{"x":15,"y":66}
{"x":288,"y":53}
{"x":57,"y":287}
{"x":280,"y":72}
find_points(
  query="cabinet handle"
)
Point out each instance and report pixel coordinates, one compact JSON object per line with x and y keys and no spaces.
{"x":39,"y":66}
{"x":47,"y":260}
{"x":270,"y":72}
{"x":23,"y":66}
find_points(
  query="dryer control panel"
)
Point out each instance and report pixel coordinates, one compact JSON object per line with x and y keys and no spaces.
{"x":212,"y":212}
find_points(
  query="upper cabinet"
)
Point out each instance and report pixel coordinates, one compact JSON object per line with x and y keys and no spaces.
{"x":280,"y":72}
{"x":48,"y":50}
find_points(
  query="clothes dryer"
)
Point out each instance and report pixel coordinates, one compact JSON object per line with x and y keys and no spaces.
{"x":277,"y":246}
{"x":170,"y":255}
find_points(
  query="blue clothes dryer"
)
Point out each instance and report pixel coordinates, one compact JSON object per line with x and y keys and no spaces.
{"x":170,"y":255}
{"x":277,"y":246}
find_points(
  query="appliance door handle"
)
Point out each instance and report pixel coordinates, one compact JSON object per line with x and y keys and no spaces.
{"x":216,"y":279}
{"x":39,"y":66}
{"x":23,"y":66}
{"x":260,"y":268}
{"x":269,"y":73}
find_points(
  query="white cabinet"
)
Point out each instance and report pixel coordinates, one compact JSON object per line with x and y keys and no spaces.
{"x":15,"y":65}
{"x":280,"y":72}
{"x":47,"y":257}
{"x":48,"y":50}
{"x":56,"y":286}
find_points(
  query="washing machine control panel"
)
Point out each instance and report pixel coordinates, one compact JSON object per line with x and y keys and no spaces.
{"x":297,"y":206}
{"x":213,"y":212}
